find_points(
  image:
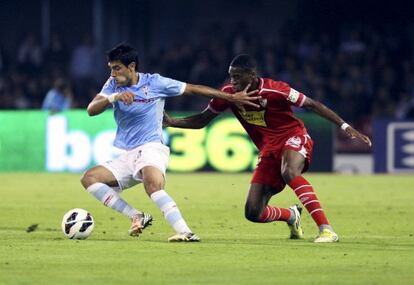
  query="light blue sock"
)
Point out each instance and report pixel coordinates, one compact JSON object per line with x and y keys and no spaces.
{"x":111,"y":199}
{"x":170,"y":210}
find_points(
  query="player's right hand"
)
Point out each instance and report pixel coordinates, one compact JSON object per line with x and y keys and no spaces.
{"x":125,"y":97}
{"x":352,"y":133}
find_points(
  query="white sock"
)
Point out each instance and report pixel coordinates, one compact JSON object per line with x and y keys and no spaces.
{"x":170,"y":210}
{"x":111,"y":199}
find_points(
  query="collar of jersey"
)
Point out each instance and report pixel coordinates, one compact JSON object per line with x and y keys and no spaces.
{"x":139,"y":83}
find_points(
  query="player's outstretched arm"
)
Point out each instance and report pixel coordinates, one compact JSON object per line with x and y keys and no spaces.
{"x":197,"y":121}
{"x":327,"y":113}
{"x":100,"y":103}
{"x":239,"y":99}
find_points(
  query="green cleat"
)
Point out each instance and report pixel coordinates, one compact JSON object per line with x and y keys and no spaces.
{"x":326,"y":235}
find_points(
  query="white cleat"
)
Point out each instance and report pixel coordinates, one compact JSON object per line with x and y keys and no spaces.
{"x":296,"y":231}
{"x":184,"y":237}
{"x":326,"y":235}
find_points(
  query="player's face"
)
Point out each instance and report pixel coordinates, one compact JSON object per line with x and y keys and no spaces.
{"x":240,"y":78}
{"x":121,"y":73}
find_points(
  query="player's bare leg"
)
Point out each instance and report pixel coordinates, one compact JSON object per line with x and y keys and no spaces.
{"x":100,"y":183}
{"x":98,"y":174}
{"x":293,"y":164}
{"x":257,"y":209}
{"x":257,"y":199}
{"x":154,"y":183}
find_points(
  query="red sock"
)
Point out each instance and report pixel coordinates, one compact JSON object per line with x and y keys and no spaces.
{"x":304,"y":190}
{"x":271,"y":214}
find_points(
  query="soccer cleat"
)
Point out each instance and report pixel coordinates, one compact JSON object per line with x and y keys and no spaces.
{"x":184,"y":237}
{"x":296,"y":231}
{"x":139,"y":223}
{"x":326,"y":235}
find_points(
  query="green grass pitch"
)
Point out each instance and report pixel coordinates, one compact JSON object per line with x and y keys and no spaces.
{"x":372,"y":214}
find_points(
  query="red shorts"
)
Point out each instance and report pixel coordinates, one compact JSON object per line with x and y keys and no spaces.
{"x":268,"y":169}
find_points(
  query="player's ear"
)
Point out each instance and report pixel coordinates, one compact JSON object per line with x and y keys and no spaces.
{"x":131,"y":66}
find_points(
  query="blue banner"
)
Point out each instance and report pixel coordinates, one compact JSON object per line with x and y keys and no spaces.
{"x":394,"y":146}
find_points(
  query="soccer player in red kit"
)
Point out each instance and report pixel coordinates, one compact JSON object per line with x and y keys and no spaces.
{"x":285,"y":147}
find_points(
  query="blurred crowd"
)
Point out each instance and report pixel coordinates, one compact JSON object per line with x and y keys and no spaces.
{"x":360,"y":72}
{"x":28,"y":73}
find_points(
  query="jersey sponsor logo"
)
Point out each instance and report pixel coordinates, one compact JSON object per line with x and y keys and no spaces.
{"x":254,"y":117}
{"x":294,"y":141}
{"x":293,"y":95}
{"x":144,"y":100}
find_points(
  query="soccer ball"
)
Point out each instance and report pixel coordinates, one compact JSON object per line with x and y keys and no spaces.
{"x":77,"y":224}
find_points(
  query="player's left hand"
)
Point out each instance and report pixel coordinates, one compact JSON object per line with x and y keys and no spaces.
{"x":351,"y":132}
{"x":245,"y":98}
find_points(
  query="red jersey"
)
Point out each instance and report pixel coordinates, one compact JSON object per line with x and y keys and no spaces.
{"x":273,"y":123}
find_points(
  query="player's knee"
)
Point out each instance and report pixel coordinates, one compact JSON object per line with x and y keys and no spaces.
{"x":88,"y":178}
{"x":252,"y":214}
{"x":153,"y":185}
{"x":289,"y":173}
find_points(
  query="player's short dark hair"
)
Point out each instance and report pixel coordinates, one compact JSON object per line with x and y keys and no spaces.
{"x":245,"y":62}
{"x":124,"y":53}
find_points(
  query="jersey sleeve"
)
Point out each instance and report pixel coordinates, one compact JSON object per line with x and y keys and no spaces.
{"x":293,"y":96}
{"x":167,"y":87}
{"x":108,"y":88}
{"x":217,"y":105}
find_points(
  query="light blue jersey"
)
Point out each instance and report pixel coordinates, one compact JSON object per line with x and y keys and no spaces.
{"x":141,"y":122}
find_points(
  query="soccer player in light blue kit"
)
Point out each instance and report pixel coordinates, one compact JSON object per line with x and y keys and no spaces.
{"x":138,"y":103}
